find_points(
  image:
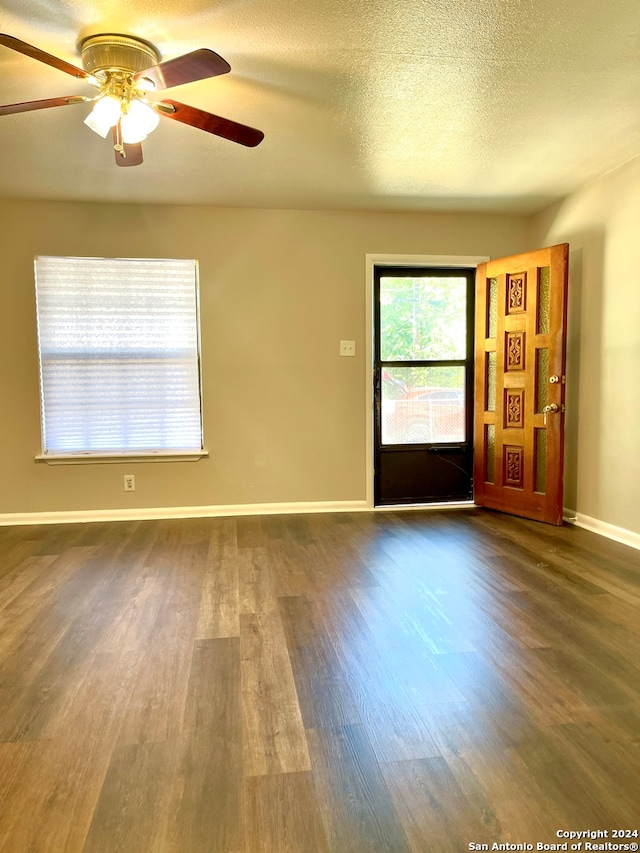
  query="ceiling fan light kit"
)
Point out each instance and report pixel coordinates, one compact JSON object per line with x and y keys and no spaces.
{"x":125,"y":70}
{"x":113,"y":60}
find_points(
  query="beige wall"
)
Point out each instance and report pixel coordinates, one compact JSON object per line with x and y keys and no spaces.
{"x":284,"y":414}
{"x":601,"y":223}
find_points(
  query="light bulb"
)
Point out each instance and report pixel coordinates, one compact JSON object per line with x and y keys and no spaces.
{"x":144,"y":84}
{"x":104,"y":115}
{"x":139,"y":120}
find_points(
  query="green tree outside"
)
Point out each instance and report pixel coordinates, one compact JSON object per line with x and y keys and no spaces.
{"x":423,"y":319}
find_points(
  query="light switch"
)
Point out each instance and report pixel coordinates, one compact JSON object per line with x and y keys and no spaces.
{"x":347,"y":347}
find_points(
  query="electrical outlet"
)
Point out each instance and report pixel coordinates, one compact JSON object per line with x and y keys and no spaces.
{"x":347,"y":347}
{"x":129,"y":483}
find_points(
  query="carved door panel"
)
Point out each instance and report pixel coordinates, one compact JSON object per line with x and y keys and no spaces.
{"x":519,"y":383}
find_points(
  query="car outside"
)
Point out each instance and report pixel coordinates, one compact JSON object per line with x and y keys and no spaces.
{"x":422,"y":415}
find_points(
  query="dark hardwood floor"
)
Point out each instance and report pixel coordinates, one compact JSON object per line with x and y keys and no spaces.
{"x":348,"y":683}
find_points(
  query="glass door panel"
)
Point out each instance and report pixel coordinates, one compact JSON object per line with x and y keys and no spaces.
{"x":423,"y":318}
{"x":423,"y":404}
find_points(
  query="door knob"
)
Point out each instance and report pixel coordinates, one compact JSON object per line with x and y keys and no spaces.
{"x":552,"y":407}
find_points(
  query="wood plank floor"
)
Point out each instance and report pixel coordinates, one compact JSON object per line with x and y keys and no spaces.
{"x":347,"y":683}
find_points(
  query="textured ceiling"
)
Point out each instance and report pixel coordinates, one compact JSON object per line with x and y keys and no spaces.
{"x":384,"y":104}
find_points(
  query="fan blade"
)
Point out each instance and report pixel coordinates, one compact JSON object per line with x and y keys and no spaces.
{"x":127,"y":154}
{"x":27,"y":106}
{"x":41,"y":56}
{"x":185,"y":69}
{"x":224,"y":127}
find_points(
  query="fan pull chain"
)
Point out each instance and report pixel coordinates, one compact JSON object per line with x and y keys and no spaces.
{"x":118,"y":146}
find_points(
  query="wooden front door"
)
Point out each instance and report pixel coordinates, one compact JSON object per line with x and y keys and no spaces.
{"x":519,"y":383}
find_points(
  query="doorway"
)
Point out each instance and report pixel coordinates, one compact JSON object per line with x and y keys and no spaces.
{"x":423,"y":383}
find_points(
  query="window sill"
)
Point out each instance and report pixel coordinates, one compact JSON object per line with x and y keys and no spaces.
{"x":102,"y":458}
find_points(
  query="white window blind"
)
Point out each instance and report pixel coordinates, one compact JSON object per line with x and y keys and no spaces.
{"x":119,"y":355}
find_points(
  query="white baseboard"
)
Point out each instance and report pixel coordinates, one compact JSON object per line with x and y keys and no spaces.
{"x":153,"y":513}
{"x":217,"y":511}
{"x":619,"y":534}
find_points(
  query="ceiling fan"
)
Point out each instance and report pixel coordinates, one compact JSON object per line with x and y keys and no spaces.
{"x":125,"y":70}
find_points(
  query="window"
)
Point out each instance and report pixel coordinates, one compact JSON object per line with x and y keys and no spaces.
{"x":119,"y":356}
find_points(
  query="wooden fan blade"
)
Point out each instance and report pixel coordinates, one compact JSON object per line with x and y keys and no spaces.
{"x":185,"y":69}
{"x":131,"y":153}
{"x":27,"y":106}
{"x":41,"y":56}
{"x":217,"y":125}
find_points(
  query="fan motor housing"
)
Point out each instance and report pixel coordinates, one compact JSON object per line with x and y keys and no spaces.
{"x":115,"y":52}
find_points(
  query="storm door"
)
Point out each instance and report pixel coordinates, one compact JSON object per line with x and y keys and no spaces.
{"x":423,"y":384}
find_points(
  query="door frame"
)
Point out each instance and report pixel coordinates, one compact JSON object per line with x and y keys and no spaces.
{"x":378,"y":260}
